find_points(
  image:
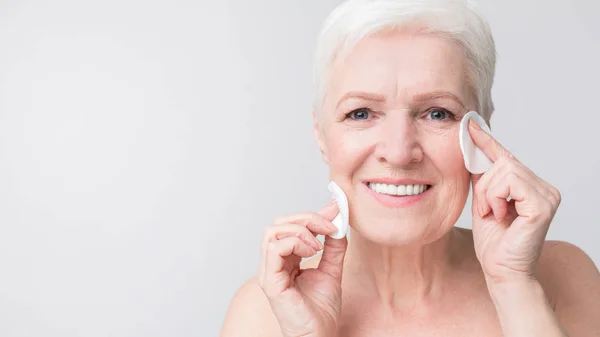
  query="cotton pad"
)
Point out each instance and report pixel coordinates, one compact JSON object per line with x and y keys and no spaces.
{"x":341,"y":220}
{"x":475,"y":159}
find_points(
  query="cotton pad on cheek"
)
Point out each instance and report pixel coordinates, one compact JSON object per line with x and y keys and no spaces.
{"x":475,"y":159}
{"x":341,"y":220}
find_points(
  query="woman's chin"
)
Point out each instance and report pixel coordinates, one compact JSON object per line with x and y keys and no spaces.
{"x":394,"y":234}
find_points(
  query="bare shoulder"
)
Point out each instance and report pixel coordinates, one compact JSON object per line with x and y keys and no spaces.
{"x":572,"y":283}
{"x":566,"y":270}
{"x":249,"y":313}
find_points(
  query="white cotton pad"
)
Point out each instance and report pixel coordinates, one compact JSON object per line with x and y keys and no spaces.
{"x":341,"y":220}
{"x":476,"y":161}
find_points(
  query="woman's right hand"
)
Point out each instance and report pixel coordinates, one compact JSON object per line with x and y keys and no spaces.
{"x":306,"y":302}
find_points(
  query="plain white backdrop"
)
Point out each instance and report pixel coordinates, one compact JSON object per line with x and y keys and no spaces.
{"x":144,"y":145}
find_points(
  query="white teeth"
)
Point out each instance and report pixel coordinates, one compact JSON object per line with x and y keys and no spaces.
{"x":398,"y":189}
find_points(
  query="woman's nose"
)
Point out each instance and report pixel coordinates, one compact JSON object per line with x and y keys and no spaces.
{"x":398,"y":144}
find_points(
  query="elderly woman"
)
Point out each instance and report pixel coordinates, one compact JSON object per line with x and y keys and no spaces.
{"x":394,"y":79}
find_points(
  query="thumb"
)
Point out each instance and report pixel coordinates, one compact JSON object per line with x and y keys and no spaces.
{"x":332,"y":260}
{"x":329,"y":211}
{"x":474,"y":179}
{"x":334,"y":250}
{"x":474,"y":197}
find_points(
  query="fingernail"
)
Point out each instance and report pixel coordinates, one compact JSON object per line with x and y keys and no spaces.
{"x":331,"y":203}
{"x":474,"y":125}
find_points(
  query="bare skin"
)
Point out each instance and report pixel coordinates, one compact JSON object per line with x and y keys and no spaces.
{"x":466,"y":310}
{"x":391,"y":116}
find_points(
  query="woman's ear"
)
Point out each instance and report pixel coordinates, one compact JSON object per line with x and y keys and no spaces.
{"x":319,"y":137}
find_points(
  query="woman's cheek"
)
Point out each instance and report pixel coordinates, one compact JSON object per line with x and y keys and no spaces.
{"x":348,"y":147}
{"x":443,"y":147}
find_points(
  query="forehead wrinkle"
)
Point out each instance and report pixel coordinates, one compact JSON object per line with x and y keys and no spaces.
{"x":365,"y":70}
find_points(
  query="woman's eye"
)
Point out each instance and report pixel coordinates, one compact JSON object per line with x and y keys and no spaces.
{"x":358,"y":114}
{"x":440,"y":114}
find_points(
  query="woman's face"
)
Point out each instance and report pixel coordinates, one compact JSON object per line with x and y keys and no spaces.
{"x":390,"y":121}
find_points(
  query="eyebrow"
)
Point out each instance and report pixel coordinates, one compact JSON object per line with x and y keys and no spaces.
{"x":438,"y":94}
{"x":362,"y":95}
{"x":428,"y":96}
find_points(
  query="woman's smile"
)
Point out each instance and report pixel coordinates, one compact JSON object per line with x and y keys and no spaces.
{"x":397,"y":193}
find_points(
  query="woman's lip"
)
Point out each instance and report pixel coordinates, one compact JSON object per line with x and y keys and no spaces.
{"x":392,"y":181}
{"x":391,"y":201}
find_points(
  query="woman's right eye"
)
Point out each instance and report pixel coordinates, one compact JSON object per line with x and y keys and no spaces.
{"x":358,"y":114}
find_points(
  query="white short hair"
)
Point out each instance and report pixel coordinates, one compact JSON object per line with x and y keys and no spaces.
{"x":459,"y":20}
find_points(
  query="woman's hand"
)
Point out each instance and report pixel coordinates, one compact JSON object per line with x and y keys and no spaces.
{"x":306,"y":302}
{"x":509,"y":235}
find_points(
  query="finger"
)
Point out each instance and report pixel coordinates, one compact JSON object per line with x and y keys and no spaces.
{"x":314,"y":222}
{"x":330,"y":211}
{"x":476,"y":177}
{"x":493,"y":197}
{"x":481,"y":184}
{"x":501,"y":167}
{"x":290,"y":249}
{"x":487,"y":143}
{"x":332,"y":259}
{"x":287,"y":230}
{"x":326,"y":212}
{"x":317,"y":222}
{"x":278,"y":232}
{"x":510,"y":185}
{"x":277,"y":250}
{"x":545,"y":189}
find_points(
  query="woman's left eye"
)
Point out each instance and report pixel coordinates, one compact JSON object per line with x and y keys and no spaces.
{"x":440,"y":114}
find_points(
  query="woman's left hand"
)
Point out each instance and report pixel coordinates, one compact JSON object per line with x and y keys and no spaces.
{"x":509,"y":233}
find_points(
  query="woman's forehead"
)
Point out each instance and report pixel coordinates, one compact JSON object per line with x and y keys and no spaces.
{"x":400,"y":63}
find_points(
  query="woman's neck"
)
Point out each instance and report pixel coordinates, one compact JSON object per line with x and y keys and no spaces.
{"x":403,"y":277}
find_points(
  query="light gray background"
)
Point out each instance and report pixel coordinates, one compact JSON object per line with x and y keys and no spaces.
{"x":145,"y":144}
